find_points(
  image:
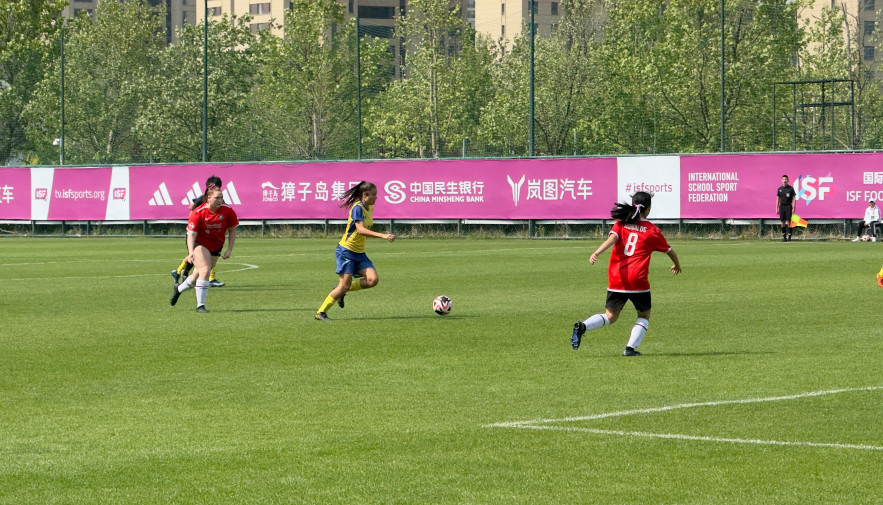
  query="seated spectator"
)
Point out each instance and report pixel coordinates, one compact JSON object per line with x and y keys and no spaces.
{"x":872,"y":218}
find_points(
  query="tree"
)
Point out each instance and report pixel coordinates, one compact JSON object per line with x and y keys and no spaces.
{"x":27,"y":29}
{"x":306,"y":100}
{"x":170,"y":124}
{"x":104,"y":87}
{"x":566,"y":66}
{"x":445,"y":83}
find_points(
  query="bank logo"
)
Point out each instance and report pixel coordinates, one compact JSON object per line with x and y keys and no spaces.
{"x":161,"y":196}
{"x":394,"y":192}
{"x":516,"y":188}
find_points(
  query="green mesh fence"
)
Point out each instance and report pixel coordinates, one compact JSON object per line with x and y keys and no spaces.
{"x":415,"y":80}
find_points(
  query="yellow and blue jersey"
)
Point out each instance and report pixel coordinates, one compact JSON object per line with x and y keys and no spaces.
{"x":352,"y":240}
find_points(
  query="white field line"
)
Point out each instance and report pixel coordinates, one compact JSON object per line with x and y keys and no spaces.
{"x":676,"y":436}
{"x":544,"y":424}
{"x":153,"y":274}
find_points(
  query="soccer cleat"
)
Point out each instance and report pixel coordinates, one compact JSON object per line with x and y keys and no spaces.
{"x":579,"y":328}
{"x":175,"y":295}
{"x":630,"y":352}
{"x":321,"y":316}
{"x":216,"y":284}
{"x":201,"y":310}
{"x":856,"y":239}
{"x":340,"y":300}
{"x":176,"y":276}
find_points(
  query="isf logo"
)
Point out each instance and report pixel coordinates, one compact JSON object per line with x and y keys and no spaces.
{"x":119,"y":193}
{"x":809,"y":188}
{"x":41,"y":194}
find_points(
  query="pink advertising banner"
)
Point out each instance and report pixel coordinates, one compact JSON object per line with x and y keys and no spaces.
{"x":435,"y":189}
{"x":831,"y":186}
{"x":744,"y":186}
{"x":79,"y":194}
{"x":15,"y":193}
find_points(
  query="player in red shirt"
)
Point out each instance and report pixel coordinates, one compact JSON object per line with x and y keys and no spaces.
{"x":633,"y":239}
{"x":206,"y":229}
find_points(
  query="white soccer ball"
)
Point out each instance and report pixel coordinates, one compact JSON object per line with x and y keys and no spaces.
{"x":442,"y":305}
{"x":866,"y":238}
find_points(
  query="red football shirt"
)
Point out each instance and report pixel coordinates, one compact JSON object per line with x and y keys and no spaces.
{"x":630,"y":258}
{"x":211,"y":227}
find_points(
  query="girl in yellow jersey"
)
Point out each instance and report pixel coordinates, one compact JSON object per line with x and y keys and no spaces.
{"x":350,"y":253}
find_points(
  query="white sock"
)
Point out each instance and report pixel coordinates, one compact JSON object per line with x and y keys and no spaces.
{"x":596,"y":321}
{"x":638,"y":332}
{"x":184,"y":286}
{"x":201,"y":292}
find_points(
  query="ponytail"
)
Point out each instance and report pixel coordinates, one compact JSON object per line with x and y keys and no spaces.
{"x":629,"y":214}
{"x":354,"y":194}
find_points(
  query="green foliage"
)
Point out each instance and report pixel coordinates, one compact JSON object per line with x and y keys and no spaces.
{"x":306,"y":100}
{"x":104,"y":89}
{"x":445,"y":82}
{"x":171,"y":120}
{"x":27,"y":29}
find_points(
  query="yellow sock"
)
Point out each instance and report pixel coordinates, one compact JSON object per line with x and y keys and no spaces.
{"x":356,"y":285}
{"x":881,"y":271}
{"x":327,"y":304}
{"x":211,"y":275}
{"x":181,"y":267}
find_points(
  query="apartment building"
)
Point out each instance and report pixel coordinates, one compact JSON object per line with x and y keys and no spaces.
{"x":178,"y":13}
{"x":505,"y":19}
{"x":863,"y":27}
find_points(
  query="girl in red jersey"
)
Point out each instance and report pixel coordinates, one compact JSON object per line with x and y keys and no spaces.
{"x":633,"y":239}
{"x":208,"y":225}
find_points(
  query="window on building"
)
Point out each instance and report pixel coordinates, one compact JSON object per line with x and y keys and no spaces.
{"x":869,"y":53}
{"x":869,"y":27}
{"x":214,"y":11}
{"x":503,"y":30}
{"x":534,"y":6}
{"x":351,"y":6}
{"x":869,"y":5}
{"x":503,"y":9}
{"x":554,"y":8}
{"x":261,"y":8}
{"x":259,"y":27}
{"x":370,"y":12}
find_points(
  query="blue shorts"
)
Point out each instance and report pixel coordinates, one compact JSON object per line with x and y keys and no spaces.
{"x":349,"y":262}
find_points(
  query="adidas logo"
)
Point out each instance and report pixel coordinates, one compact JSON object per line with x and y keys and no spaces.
{"x":230,"y":195}
{"x":161,"y":196}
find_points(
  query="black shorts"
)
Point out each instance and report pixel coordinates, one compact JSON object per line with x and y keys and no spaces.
{"x":616,"y":300}
{"x":214,"y":253}
{"x":785,"y":213}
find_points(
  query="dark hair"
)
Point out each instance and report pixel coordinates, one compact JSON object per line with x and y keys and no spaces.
{"x":354,"y":194}
{"x":632,"y":213}
{"x":785,"y":176}
{"x":213,"y":181}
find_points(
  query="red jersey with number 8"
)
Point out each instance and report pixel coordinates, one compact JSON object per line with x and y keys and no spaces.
{"x":630,"y":258}
{"x":211,"y":227}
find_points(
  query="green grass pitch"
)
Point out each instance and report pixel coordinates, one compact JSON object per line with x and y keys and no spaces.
{"x":760,"y":384}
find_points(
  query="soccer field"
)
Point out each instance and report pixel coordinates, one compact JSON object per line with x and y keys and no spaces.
{"x":760,"y":381}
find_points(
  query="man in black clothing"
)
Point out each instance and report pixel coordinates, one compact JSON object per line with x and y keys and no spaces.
{"x":784,"y":207}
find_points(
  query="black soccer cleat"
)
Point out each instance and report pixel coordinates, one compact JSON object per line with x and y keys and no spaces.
{"x":630,"y":352}
{"x":579,"y":328}
{"x":176,"y":276}
{"x":201,"y":310}
{"x":175,"y":295}
{"x":215,"y":283}
{"x":340,"y":300}
{"x":321,"y":316}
